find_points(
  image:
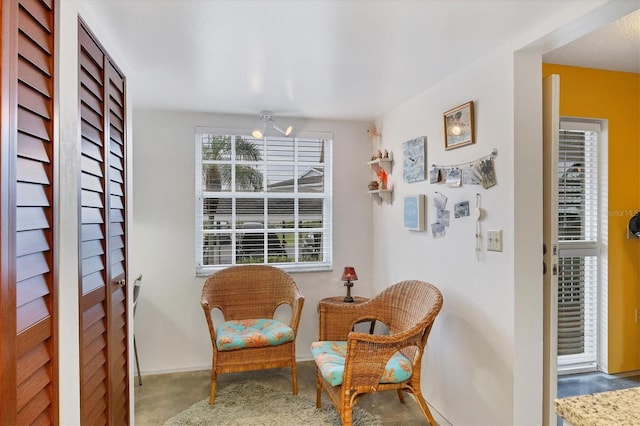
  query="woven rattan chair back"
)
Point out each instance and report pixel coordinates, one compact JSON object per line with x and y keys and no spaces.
{"x":408,"y":309}
{"x":251,"y":292}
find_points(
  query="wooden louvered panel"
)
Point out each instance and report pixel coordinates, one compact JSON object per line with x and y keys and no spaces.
{"x":40,"y":11}
{"x":91,"y":134}
{"x":94,"y":352}
{"x":117,"y":124}
{"x":92,"y":199}
{"x":116,"y":215}
{"x":92,"y":232}
{"x":33,"y":23}
{"x":116,"y":202}
{"x":91,"y":182}
{"x":92,"y":282}
{"x":31,"y":195}
{"x":32,"y":124}
{"x":94,"y":331}
{"x":97,"y":414}
{"x":33,"y":336}
{"x":116,"y":188}
{"x":36,"y":411}
{"x":31,"y":313}
{"x":31,"y":171}
{"x":35,"y":102}
{"x":31,"y":289}
{"x":117,"y":256}
{"x":103,"y":323}
{"x":90,"y":117}
{"x":116,"y":148}
{"x":116,"y":164}
{"x":32,"y":386}
{"x":96,"y":380}
{"x":91,"y":76}
{"x":29,"y":242}
{"x":92,"y":248}
{"x":32,"y":361}
{"x":91,"y":150}
{"x":34,"y":78}
{"x":32,"y":147}
{"x":91,"y":215}
{"x":31,"y":218}
{"x":31,"y":265}
{"x":91,"y":166}
{"x":33,"y":54}
{"x":91,"y":265}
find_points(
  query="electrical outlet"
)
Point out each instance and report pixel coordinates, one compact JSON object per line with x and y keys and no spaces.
{"x":494,"y":240}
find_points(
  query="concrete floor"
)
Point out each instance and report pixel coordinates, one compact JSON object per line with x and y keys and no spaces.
{"x":164,"y":395}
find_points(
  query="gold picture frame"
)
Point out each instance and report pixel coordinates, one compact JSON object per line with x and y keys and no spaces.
{"x":459,"y":128}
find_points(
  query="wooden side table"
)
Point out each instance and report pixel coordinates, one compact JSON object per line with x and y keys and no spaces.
{"x":330,"y":326}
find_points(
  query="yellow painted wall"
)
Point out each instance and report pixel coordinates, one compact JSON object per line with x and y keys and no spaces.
{"x":614,"y":96}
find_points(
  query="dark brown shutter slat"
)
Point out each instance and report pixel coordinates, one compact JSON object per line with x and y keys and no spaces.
{"x":33,"y":148}
{"x":29,"y":242}
{"x":31,"y":289}
{"x":31,"y":218}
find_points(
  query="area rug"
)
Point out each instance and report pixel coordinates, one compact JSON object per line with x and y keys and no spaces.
{"x":254,"y":403}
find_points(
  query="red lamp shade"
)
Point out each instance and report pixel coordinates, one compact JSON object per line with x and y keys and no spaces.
{"x":349,"y":274}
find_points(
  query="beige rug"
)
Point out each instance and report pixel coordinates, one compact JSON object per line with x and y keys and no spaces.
{"x":254,"y":403}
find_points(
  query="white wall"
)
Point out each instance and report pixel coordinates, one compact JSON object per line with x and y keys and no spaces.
{"x":171,"y":332}
{"x":483,"y":365}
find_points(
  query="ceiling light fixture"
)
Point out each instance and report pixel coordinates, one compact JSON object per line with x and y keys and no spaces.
{"x":267,"y":119}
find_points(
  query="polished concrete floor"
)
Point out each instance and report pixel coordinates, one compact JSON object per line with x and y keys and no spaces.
{"x":164,"y":395}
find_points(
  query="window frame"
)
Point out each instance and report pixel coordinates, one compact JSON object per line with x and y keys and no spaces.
{"x":325,"y":261}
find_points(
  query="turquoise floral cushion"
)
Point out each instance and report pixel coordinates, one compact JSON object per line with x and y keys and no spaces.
{"x":330,"y":359}
{"x":254,"y":333}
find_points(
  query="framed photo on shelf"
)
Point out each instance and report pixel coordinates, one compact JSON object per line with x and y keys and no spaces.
{"x":413,"y":212}
{"x":459,"y":126}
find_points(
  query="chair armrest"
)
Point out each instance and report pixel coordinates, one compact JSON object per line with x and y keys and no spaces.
{"x":296,"y":312}
{"x":368,"y":354}
{"x":207,"y":313}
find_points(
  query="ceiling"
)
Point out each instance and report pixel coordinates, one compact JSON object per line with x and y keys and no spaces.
{"x":323,"y":59}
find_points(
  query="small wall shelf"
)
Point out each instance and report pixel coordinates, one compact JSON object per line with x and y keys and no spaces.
{"x":376,"y":164}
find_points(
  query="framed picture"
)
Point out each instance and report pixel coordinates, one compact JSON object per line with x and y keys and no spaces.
{"x":414,"y":159}
{"x":458,"y":126}
{"x":414,"y":212}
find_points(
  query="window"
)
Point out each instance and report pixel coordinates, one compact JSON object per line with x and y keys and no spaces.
{"x":262,"y":201}
{"x":578,"y":245}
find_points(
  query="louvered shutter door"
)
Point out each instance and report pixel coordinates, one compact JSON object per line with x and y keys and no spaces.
{"x":117,"y":246}
{"x":578,"y":243}
{"x":104,"y":366}
{"x":29,"y":388}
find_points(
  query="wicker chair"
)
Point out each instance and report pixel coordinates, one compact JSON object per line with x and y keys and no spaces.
{"x":408,"y":310}
{"x":251,"y":292}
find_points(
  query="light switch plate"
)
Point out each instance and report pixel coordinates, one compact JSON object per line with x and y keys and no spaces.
{"x":494,"y":240}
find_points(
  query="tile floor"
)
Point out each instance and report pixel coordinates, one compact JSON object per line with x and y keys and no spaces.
{"x":162,"y":396}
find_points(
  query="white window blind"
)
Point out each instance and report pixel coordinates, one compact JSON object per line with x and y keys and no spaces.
{"x":262,"y":201}
{"x":578,"y":244}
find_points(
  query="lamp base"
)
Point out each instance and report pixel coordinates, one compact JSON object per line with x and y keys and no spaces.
{"x":348,"y":298}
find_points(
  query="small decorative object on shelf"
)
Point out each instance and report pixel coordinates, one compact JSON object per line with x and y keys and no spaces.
{"x":349,"y":275}
{"x":373,"y":185}
{"x":382,"y":177}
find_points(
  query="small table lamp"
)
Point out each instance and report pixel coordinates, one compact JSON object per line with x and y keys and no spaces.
{"x":349,"y":275}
